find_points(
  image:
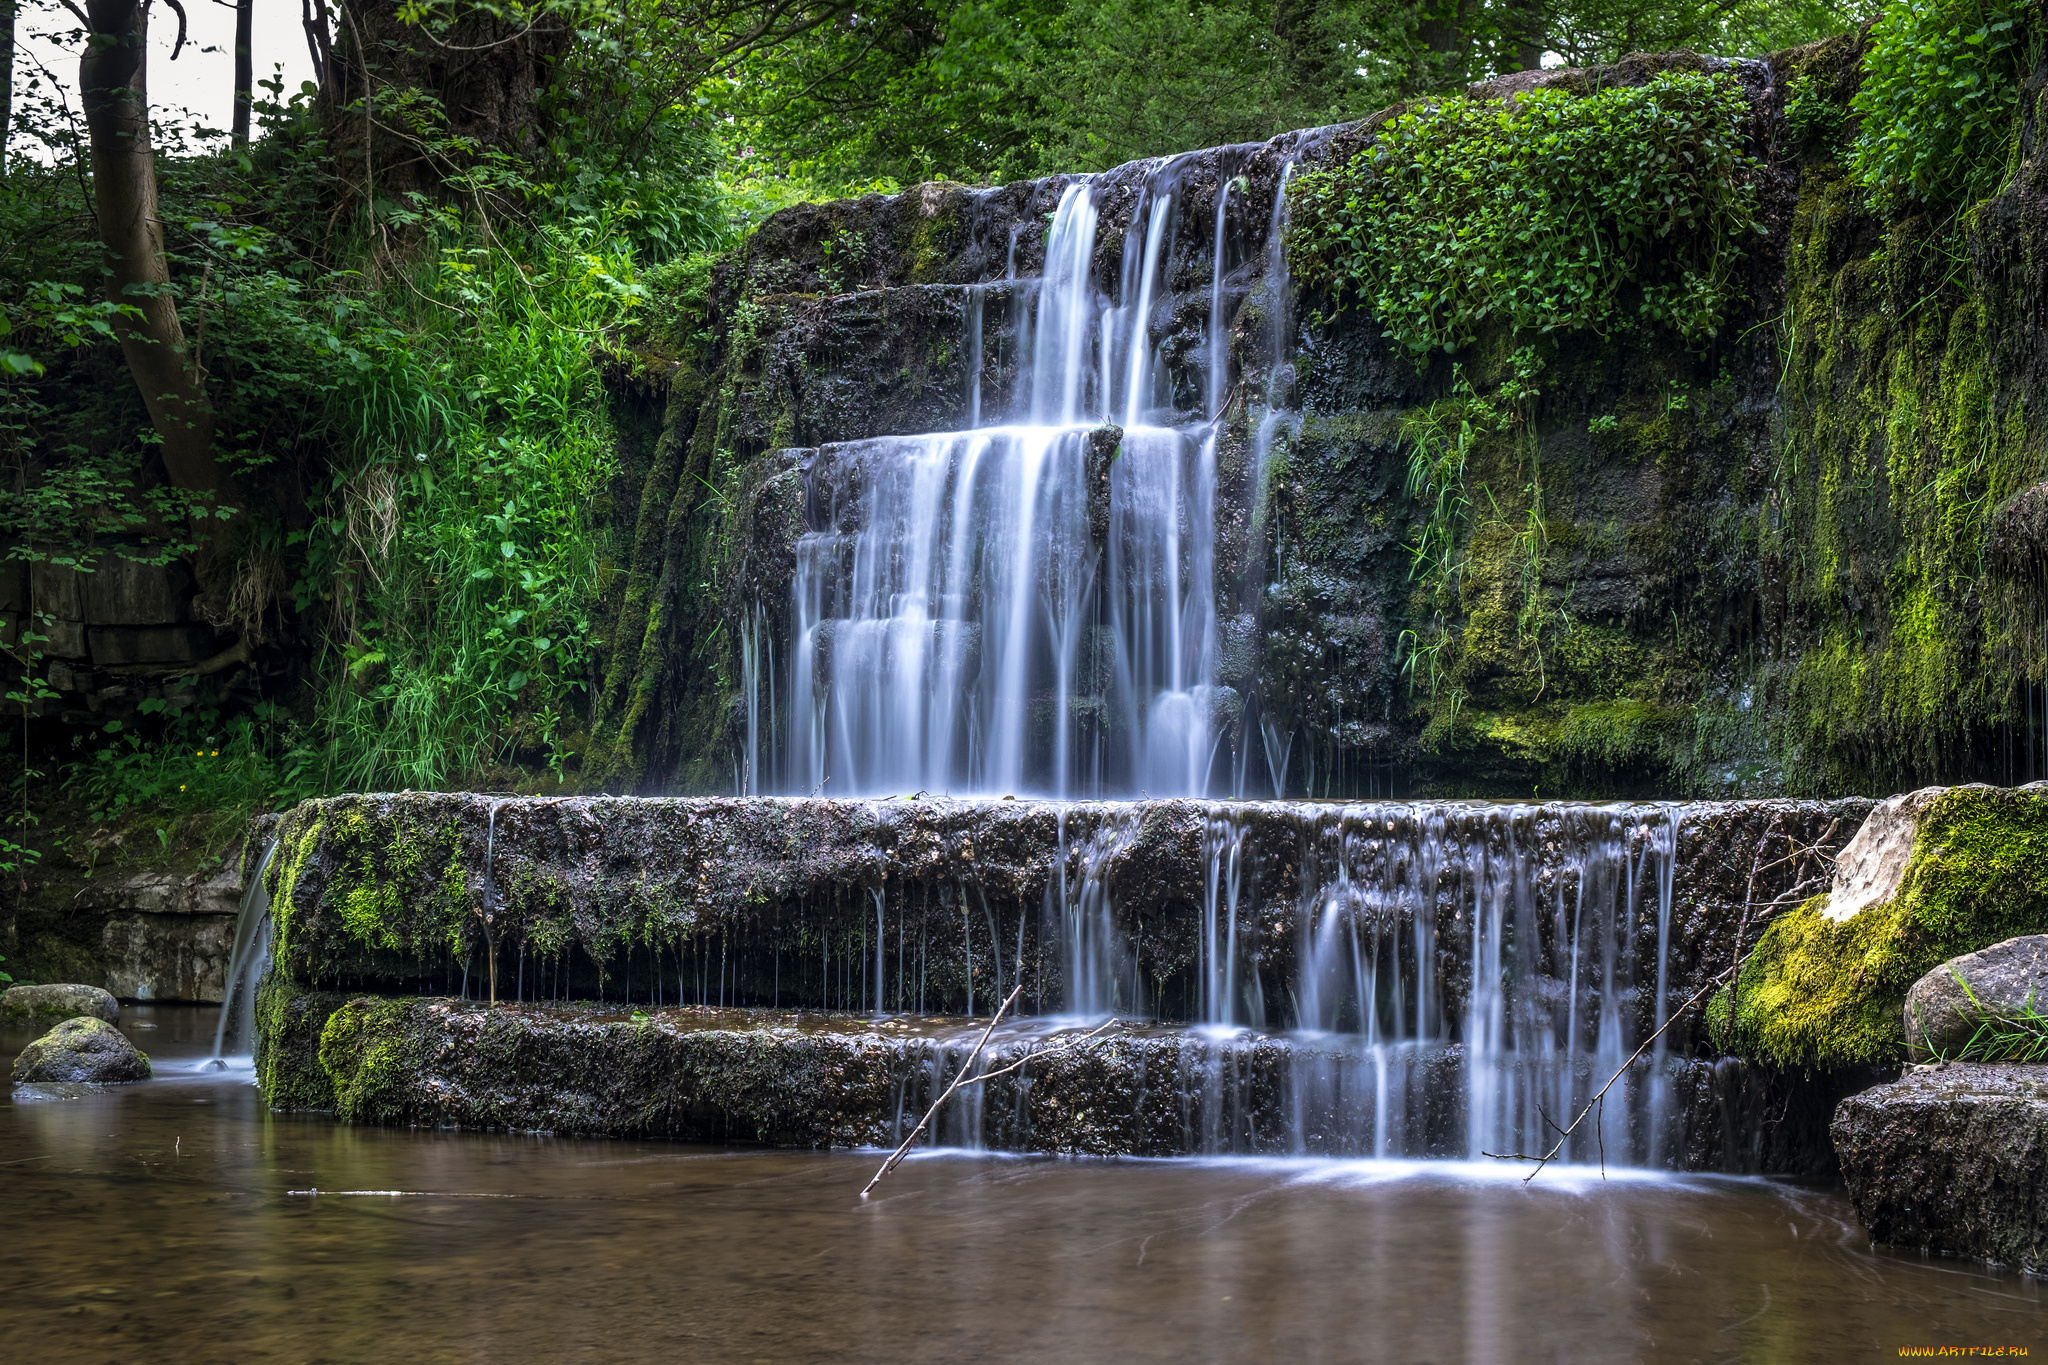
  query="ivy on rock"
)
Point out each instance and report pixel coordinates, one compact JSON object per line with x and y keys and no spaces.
{"x":1626,"y":206}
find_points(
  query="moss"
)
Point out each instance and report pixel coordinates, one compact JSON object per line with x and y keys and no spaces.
{"x":366,"y":1053}
{"x":1902,"y":437}
{"x":1820,"y":994}
{"x":289,"y":1021}
{"x":1616,"y":734}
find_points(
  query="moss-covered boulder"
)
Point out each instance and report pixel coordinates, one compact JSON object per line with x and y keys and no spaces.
{"x":83,"y":1049}
{"x":1819,"y":992}
{"x":35,"y":1006}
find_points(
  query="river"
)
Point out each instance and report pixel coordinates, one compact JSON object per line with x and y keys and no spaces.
{"x":178,"y":1219}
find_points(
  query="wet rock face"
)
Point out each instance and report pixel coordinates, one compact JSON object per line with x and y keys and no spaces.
{"x":807,"y":1081}
{"x":1946,"y":1008}
{"x":784,"y":901}
{"x":36,"y":1005}
{"x":1952,"y":1159}
{"x":84,"y":1049}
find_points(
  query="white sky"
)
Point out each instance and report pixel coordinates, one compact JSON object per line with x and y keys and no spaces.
{"x":202,"y":80}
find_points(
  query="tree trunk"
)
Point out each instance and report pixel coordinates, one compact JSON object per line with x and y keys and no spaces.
{"x":8,"y":10}
{"x":414,"y":103}
{"x":245,"y":76}
{"x":112,"y":89}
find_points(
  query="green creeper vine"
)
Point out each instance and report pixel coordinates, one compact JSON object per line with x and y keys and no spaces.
{"x":1941,"y":82}
{"x":1598,"y":212}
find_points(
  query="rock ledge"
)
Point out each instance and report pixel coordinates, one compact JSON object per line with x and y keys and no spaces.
{"x":1952,"y":1159}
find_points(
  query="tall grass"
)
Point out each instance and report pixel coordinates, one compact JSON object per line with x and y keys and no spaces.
{"x":453,"y":545}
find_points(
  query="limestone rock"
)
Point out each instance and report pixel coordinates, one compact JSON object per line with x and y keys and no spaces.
{"x":1952,"y":1159}
{"x":2005,"y":979}
{"x":40,"y":1005}
{"x":1869,"y":869}
{"x":84,"y":1049}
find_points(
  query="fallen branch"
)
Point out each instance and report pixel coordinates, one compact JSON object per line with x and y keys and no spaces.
{"x":1599,"y":1099}
{"x":896,"y":1156}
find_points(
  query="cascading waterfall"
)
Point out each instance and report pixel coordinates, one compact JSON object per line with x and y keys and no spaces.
{"x":1026,"y":606}
{"x":1558,"y":916}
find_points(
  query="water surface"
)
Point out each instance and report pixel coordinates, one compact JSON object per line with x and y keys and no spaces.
{"x":177,"y":1219}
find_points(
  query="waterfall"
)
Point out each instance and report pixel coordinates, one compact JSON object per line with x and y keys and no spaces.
{"x":1560,"y":916}
{"x":248,"y":961}
{"x":1028,"y":605}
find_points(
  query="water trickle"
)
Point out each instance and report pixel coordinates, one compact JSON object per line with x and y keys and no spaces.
{"x":248,"y":961}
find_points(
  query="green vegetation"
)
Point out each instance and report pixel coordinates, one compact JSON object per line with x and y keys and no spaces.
{"x":1819,"y":994}
{"x":1940,"y":86}
{"x":1629,"y":206}
{"x":986,"y":92}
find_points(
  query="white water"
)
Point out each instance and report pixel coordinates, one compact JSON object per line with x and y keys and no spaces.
{"x":1504,"y":952}
{"x":1026,"y":606}
{"x":248,"y":961}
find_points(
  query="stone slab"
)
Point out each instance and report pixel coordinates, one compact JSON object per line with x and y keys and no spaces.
{"x":115,"y":646}
{"x":123,"y":592}
{"x":168,"y":957}
{"x":813,"y":1080}
{"x":1952,"y":1159}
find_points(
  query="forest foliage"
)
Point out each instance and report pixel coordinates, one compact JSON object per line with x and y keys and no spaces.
{"x":401,"y":311}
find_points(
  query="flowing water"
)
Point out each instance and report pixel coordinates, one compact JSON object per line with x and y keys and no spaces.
{"x":1028,"y":605}
{"x":177,"y":1220}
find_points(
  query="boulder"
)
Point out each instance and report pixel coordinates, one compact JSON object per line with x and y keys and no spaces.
{"x":2003,"y":982}
{"x":1952,"y":1159}
{"x":41,"y":1005}
{"x":84,"y":1049}
{"x":1869,"y":870}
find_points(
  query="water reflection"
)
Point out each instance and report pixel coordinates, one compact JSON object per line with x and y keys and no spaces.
{"x":159,"y":1218}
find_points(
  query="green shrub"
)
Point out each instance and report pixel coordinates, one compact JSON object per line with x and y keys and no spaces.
{"x":1940,"y":85}
{"x":1622,"y":207}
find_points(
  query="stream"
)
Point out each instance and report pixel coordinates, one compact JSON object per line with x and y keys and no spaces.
{"x":177,"y":1219}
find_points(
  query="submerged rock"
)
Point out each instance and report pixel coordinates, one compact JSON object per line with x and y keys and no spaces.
{"x":2005,"y":982}
{"x":1952,"y":1159}
{"x":84,"y":1049}
{"x":44,"y":1004}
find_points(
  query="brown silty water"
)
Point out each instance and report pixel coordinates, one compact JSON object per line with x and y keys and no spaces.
{"x":177,"y":1219}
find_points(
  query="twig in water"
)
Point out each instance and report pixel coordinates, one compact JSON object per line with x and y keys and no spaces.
{"x":1599,"y":1099}
{"x":965,"y":1067}
{"x":897,"y":1156}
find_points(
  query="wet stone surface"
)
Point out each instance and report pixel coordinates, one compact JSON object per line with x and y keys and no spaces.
{"x":1953,"y":1159}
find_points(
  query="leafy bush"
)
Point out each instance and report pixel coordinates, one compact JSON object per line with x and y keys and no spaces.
{"x":1622,"y":207}
{"x":1940,"y":85}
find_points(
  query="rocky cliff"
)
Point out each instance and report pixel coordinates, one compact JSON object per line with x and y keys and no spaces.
{"x":1797,"y":556}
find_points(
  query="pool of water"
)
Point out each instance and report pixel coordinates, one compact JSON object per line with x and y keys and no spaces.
{"x":178,"y":1219}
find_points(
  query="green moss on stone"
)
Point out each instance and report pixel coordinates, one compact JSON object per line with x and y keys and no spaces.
{"x":365,"y":1053}
{"x":1821,"y":994}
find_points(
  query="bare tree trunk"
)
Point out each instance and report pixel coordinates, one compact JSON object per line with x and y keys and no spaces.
{"x":245,"y":75}
{"x":8,"y":10}
{"x":112,"y":89}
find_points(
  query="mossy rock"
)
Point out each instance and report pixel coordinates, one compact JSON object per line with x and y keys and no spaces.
{"x":1819,"y":994}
